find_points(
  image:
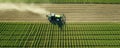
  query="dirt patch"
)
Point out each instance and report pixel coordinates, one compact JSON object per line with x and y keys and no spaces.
{"x":73,"y":12}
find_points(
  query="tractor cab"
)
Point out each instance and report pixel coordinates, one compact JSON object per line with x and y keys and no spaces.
{"x":58,"y":18}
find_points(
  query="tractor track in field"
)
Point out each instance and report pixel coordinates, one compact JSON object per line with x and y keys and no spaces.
{"x":73,"y":12}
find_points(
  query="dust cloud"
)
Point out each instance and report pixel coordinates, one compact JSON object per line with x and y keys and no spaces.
{"x":22,"y":7}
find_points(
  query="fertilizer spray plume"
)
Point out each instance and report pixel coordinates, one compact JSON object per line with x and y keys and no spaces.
{"x":23,"y":7}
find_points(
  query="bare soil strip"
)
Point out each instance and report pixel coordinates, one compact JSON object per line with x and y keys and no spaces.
{"x":73,"y":12}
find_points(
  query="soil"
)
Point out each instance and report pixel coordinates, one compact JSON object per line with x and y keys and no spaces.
{"x":73,"y":13}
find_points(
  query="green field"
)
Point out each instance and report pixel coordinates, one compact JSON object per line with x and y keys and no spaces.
{"x":64,"y":1}
{"x":73,"y":35}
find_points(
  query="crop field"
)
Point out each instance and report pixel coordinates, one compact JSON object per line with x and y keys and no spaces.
{"x":92,"y":35}
{"x":89,"y":24}
{"x":65,"y":1}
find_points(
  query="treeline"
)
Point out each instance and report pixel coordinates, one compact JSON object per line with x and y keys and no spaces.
{"x":65,"y":1}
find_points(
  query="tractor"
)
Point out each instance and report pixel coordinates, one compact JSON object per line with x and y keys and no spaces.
{"x":56,"y":19}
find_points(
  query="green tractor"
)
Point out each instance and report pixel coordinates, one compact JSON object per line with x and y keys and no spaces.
{"x":59,"y":20}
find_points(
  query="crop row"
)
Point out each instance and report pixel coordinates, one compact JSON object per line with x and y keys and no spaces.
{"x":48,"y":35}
{"x":63,"y":1}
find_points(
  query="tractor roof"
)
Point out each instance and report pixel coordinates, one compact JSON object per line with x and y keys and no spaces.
{"x":57,"y":16}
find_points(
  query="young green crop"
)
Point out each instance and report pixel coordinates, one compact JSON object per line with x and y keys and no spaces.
{"x":48,"y":35}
